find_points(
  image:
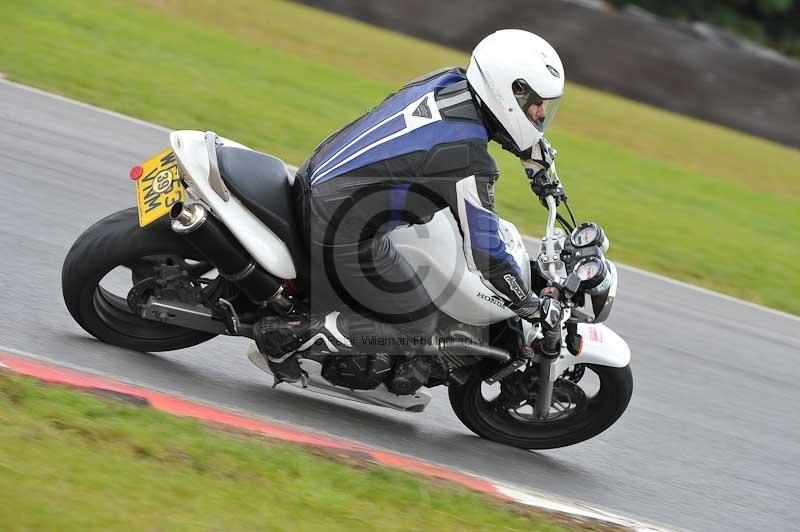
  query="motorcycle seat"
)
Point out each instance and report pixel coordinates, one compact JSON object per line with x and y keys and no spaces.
{"x":264,"y":185}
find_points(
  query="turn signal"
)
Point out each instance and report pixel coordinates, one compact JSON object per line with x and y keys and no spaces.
{"x":575,"y":344}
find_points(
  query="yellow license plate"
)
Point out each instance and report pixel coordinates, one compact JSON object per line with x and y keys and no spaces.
{"x":158,"y":187}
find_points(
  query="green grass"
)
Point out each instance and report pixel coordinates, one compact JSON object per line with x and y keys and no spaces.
{"x":70,"y":461}
{"x":677,"y":196}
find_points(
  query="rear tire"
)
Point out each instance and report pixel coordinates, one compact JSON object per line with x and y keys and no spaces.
{"x":601,"y":411}
{"x":114,"y":241}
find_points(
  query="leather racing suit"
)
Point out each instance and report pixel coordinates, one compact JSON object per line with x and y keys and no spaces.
{"x":423,"y":149}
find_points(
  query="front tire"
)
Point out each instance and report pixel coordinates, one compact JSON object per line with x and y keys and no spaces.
{"x":491,"y":421}
{"x":116,"y":241}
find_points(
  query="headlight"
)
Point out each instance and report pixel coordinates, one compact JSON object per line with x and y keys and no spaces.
{"x":604,"y":294}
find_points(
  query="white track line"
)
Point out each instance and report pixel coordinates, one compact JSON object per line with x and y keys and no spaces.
{"x":530,"y":240}
{"x":548,"y":502}
{"x":518,"y":494}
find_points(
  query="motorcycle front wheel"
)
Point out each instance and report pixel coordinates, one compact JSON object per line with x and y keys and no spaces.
{"x":106,"y":261}
{"x":577,"y":413}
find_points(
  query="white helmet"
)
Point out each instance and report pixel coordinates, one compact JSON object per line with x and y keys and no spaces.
{"x":510,"y":70}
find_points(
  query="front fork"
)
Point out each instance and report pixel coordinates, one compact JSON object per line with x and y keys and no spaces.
{"x":548,"y":363}
{"x":547,"y":377}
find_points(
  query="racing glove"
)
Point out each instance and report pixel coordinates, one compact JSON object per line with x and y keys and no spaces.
{"x":542,"y":157}
{"x":546,"y":308}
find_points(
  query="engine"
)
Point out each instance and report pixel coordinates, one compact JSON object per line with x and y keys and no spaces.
{"x":410,"y":375}
{"x":404,"y":375}
{"x":358,"y":372}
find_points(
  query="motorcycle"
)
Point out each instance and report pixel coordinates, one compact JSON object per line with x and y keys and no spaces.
{"x":213,"y":246}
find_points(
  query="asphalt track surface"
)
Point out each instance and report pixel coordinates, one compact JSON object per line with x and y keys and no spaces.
{"x":709,"y":442}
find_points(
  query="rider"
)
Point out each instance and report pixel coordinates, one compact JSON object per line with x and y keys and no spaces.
{"x":423,"y":149}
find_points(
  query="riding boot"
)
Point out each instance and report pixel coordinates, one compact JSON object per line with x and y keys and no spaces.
{"x":280,"y":340}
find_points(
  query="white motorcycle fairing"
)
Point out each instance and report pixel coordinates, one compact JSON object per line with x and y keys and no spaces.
{"x":267,"y":249}
{"x":435,"y":250}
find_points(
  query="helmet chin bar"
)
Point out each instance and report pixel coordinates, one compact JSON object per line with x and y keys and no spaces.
{"x":499,"y":134}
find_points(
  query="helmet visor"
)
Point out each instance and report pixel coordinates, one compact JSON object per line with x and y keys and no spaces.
{"x":549,"y":108}
{"x":540,"y":111}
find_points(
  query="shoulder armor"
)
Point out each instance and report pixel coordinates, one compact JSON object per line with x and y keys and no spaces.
{"x":455,"y":102}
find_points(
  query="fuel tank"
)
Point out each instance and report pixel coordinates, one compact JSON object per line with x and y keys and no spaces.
{"x":436,"y":251}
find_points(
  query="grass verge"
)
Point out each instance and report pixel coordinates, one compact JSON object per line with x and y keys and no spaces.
{"x":71,"y":461}
{"x":677,"y":196}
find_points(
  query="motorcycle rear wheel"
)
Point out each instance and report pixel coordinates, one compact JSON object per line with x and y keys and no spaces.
{"x":118,"y":241}
{"x":594,"y":415}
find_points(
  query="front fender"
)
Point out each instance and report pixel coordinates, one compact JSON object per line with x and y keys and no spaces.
{"x":602,"y":346}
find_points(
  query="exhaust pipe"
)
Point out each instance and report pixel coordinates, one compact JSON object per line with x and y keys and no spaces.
{"x":476,"y":350}
{"x":209,"y":237}
{"x":466,"y":349}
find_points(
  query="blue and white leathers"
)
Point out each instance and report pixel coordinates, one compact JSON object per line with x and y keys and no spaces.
{"x":427,"y":139}
{"x":407,"y":121}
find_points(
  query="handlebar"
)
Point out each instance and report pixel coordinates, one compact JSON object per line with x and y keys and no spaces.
{"x":551,"y":336}
{"x":550,"y":242}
